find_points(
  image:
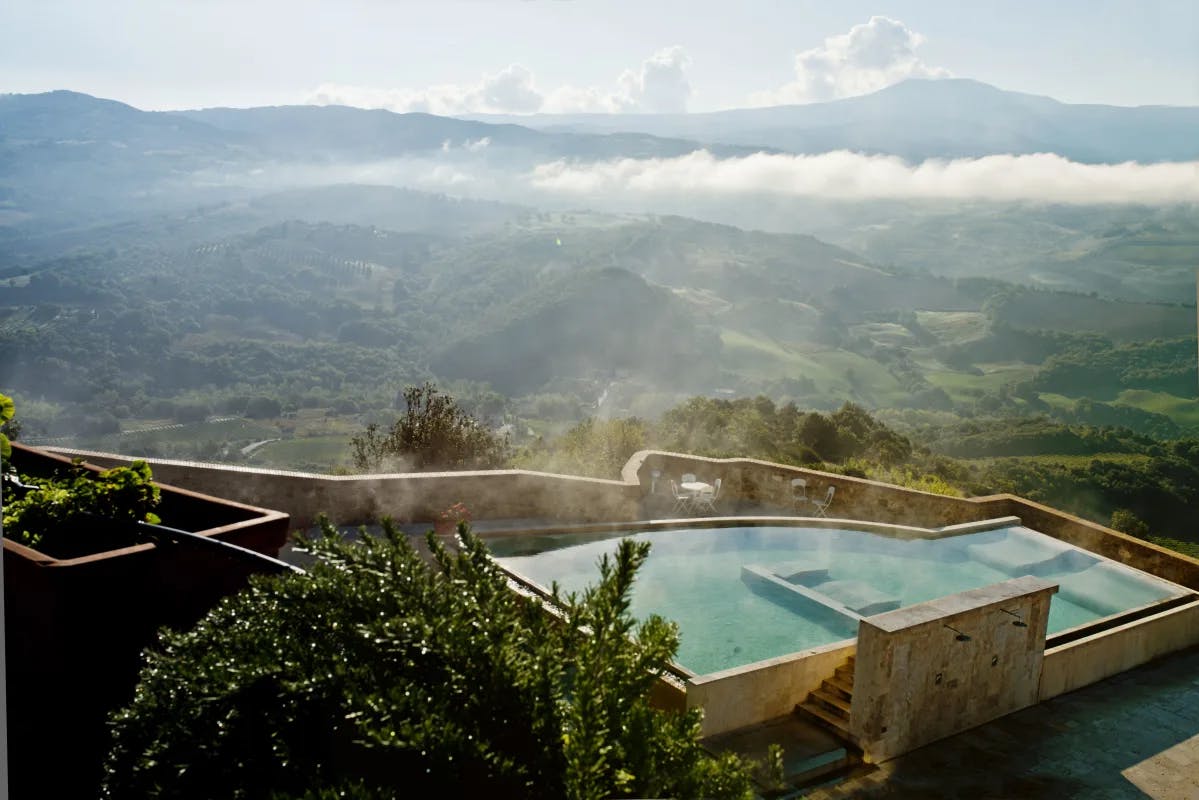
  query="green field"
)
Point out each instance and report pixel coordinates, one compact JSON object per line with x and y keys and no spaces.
{"x":310,"y":453}
{"x":953,"y":327}
{"x":1183,"y":410}
{"x":837,"y":371}
{"x":961,"y":385}
{"x":1057,"y":400}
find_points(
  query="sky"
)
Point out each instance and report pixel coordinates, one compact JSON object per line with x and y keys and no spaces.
{"x":524,"y":56}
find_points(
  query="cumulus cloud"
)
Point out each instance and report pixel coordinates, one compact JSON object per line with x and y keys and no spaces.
{"x":511,"y":90}
{"x":1043,"y":177}
{"x":869,"y":57}
{"x":659,"y":84}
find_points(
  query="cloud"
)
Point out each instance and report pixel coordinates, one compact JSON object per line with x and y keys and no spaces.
{"x":580,"y":100}
{"x":659,"y":84}
{"x":1043,"y":177}
{"x":511,"y":90}
{"x":870,"y":57}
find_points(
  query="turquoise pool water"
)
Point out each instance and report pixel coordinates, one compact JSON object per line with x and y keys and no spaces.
{"x":710,"y":580}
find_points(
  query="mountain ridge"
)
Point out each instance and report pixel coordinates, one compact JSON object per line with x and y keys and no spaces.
{"x":916,"y":119}
{"x":973,"y":119}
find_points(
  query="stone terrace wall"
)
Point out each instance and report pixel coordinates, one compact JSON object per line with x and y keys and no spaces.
{"x":766,"y":483}
{"x":409,"y":497}
{"x":517,"y":494}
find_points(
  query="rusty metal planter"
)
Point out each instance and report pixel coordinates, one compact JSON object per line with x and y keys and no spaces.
{"x":75,"y":627}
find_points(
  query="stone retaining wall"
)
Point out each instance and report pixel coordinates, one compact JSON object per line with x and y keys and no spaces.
{"x":407,"y":497}
{"x":766,"y":483}
{"x":522,"y":494}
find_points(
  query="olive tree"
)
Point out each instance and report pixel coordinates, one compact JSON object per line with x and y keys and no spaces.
{"x":433,"y":433}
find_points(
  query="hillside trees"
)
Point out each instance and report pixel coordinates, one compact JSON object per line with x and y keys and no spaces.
{"x":598,"y":448}
{"x":433,"y":433}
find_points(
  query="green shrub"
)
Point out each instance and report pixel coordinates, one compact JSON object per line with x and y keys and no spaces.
{"x":6,"y":419}
{"x":1125,"y":521}
{"x":378,"y":674}
{"x":65,"y":505}
{"x":434,"y":433}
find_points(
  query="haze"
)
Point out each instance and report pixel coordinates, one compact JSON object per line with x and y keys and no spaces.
{"x":522,"y":57}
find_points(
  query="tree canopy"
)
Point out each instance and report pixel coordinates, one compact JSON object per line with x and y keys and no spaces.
{"x":433,"y":433}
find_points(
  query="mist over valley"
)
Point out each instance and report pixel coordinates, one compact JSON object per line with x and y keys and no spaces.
{"x":256,"y":285}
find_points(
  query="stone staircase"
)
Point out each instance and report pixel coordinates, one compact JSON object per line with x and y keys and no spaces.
{"x":830,"y":704}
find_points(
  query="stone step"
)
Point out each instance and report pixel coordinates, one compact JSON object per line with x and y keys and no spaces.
{"x":839,"y":685}
{"x":845,"y":673}
{"x":833,"y":699}
{"x":825,"y":716}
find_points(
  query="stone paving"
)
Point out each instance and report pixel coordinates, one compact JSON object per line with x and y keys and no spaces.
{"x":1133,"y":736}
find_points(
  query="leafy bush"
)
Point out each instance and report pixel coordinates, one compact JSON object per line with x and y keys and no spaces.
{"x":377,"y":674}
{"x":61,"y":506}
{"x":1125,"y":521}
{"x":598,"y":448}
{"x":6,"y":420}
{"x":433,"y":434}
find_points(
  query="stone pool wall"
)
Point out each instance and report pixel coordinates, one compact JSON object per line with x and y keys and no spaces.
{"x":745,"y":696}
{"x":737,"y":698}
{"x":523,"y":494}
{"x":762,"y":483}
{"x":934,"y":669}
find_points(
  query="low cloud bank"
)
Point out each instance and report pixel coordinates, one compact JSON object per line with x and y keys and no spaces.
{"x":1045,"y":177}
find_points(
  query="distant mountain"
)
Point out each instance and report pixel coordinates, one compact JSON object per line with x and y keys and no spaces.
{"x":362,"y":134}
{"x":68,"y":158}
{"x":920,"y":119}
{"x":72,"y":118}
{"x":63,"y":117}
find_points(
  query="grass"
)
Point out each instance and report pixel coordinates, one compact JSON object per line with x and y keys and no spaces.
{"x":1172,"y":253}
{"x":1057,"y":400}
{"x":225,"y":430}
{"x":1183,"y":410}
{"x":762,"y":358}
{"x":311,"y":453}
{"x":953,"y":327}
{"x":960,"y":385}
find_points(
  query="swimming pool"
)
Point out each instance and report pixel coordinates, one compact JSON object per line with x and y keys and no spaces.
{"x":748,"y":593}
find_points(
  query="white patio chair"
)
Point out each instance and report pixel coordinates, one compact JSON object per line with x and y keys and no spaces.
{"x":682,"y":500}
{"x":821,"y":506}
{"x":799,"y":493}
{"x":688,"y":477}
{"x":707,"y":500}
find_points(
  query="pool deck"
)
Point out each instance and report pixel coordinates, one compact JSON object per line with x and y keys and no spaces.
{"x":1133,"y":736}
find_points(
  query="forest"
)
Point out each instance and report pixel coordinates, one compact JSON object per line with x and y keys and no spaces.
{"x":170,"y":306}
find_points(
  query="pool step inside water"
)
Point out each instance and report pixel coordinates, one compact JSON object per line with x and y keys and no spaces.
{"x":857,"y":596}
